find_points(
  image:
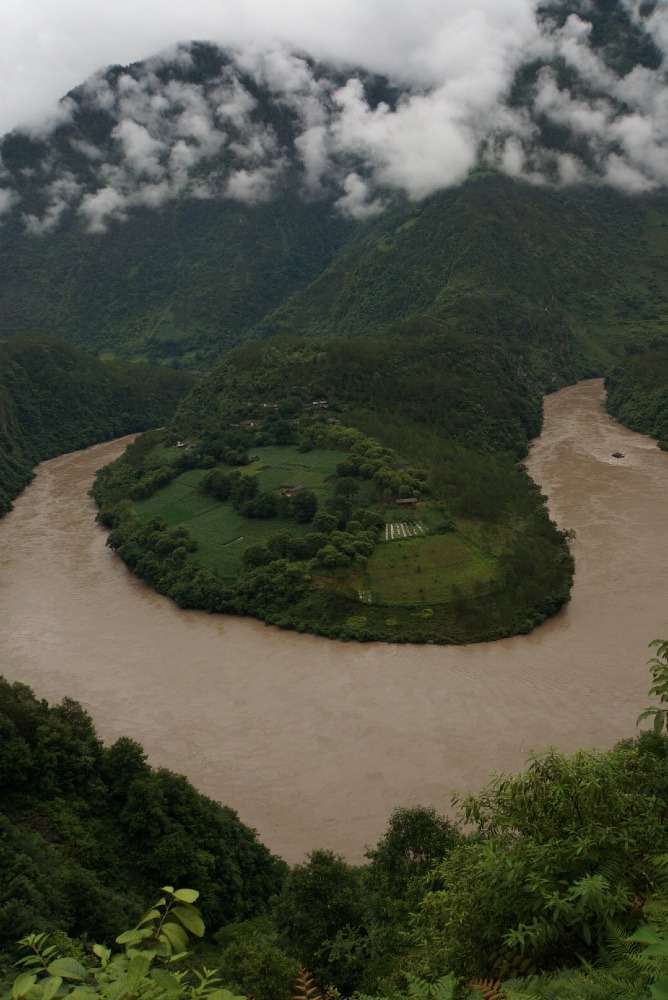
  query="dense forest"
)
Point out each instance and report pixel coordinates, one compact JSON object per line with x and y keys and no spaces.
{"x":637,"y":394}
{"x":88,"y":831}
{"x":547,"y":884}
{"x":569,"y":279}
{"x":54,"y":398}
{"x":361,"y":488}
{"x":178,"y":287}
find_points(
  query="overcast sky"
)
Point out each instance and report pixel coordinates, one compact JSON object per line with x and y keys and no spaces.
{"x":49,"y":46}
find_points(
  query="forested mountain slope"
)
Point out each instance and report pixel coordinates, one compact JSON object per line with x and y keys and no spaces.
{"x":87,"y":832}
{"x":637,"y":394}
{"x":178,"y":286}
{"x":54,"y":398}
{"x":174,"y":205}
{"x":567,"y":279}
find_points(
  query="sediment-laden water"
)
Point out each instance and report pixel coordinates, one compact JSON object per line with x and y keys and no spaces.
{"x":314,"y":742}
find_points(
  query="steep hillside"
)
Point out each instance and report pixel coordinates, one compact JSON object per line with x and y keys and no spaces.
{"x":176,"y":286}
{"x":637,"y":394}
{"x":54,"y":398}
{"x":567,"y":279}
{"x":88,"y":832}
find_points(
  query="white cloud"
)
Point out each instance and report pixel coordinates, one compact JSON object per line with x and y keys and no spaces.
{"x":7,"y":199}
{"x":622,"y":175}
{"x":49,"y":46}
{"x":141,"y":152}
{"x":356,"y":201}
{"x":419,"y":148}
{"x":454,"y":60}
{"x":103,"y":205}
{"x":253,"y":186}
{"x":60,"y":195}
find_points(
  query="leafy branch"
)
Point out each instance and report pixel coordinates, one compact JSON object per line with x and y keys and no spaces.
{"x":658,"y":666}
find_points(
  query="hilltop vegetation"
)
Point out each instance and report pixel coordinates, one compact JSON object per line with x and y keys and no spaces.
{"x":177,"y":287}
{"x":357,"y":488}
{"x":54,"y":398}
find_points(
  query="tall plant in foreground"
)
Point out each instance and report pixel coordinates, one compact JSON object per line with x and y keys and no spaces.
{"x":139,"y":969}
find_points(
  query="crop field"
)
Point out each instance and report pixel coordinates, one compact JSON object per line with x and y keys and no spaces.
{"x":424,"y":569}
{"x":279,"y":468}
{"x":221,"y":533}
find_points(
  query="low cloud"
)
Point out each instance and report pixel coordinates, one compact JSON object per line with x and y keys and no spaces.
{"x":356,"y":202}
{"x":177,"y":131}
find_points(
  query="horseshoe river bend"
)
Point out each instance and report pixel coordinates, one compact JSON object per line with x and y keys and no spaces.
{"x":315,"y":742}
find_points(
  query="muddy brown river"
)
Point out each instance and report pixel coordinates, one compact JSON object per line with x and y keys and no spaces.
{"x":314,"y":742}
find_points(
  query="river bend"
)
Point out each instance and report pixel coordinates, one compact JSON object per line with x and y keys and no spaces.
{"x":313,"y":741}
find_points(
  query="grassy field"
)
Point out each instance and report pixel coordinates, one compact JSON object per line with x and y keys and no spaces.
{"x":425,"y":569}
{"x":221,"y":533}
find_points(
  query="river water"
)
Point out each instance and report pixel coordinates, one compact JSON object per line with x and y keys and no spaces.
{"x":314,"y":742}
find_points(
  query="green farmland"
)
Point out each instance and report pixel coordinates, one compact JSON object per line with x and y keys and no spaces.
{"x":222,"y":534}
{"x":425,"y":569}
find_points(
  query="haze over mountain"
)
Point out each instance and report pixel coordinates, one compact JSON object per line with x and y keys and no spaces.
{"x":173,"y":205}
{"x":582,"y":99}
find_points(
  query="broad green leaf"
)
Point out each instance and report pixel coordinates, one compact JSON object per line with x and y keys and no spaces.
{"x":190,"y":919}
{"x":22,"y":984}
{"x":167,"y":981}
{"x":50,"y":987}
{"x":659,"y":990}
{"x":186,"y":895}
{"x":137,"y":970}
{"x":175,"y":935}
{"x":164,"y":949}
{"x":102,"y":953}
{"x":130,"y":937}
{"x":659,"y":950}
{"x":83,"y":993}
{"x":224,"y":995}
{"x":68,"y":968}
{"x":168,"y":888}
{"x":148,"y":953}
{"x":646,"y":935}
{"x":152,"y":914}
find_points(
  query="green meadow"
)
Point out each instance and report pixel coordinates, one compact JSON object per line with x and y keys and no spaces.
{"x":425,"y":569}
